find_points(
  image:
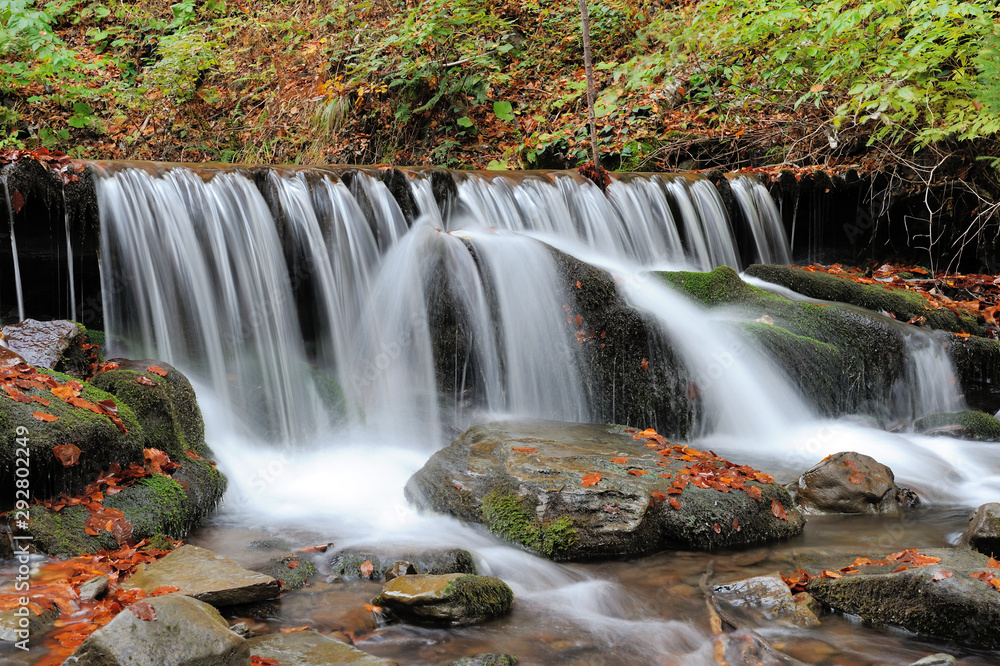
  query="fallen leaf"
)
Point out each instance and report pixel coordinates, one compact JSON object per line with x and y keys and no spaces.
{"x":993,"y":564}
{"x":578,"y":320}
{"x":367,"y":568}
{"x":157,"y":370}
{"x":143,"y":611}
{"x":16,"y":203}
{"x":857,"y":478}
{"x":42,"y":416}
{"x":67,"y":454}
{"x":778,"y":509}
{"x":637,"y":472}
{"x":644,"y":364}
{"x":145,"y":381}
{"x":982,"y":575}
{"x":256,"y":660}
{"x":619,"y":461}
{"x":373,"y":609}
{"x":524,"y":449}
{"x":658,"y":496}
{"x":717,"y":528}
{"x":736,"y":525}
{"x":293,"y":563}
{"x":64,"y":392}
{"x":290,"y":630}
{"x":676,"y":503}
{"x":831,"y":574}
{"x":941,"y":575}
{"x":591,"y":479}
{"x":578,"y":284}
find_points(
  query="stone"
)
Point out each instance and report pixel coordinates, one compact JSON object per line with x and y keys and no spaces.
{"x":956,"y":608}
{"x":94,"y":587}
{"x":241,"y":629}
{"x":939,"y":659}
{"x":769,"y":596}
{"x":398,"y":569}
{"x":486,"y":659}
{"x":523,"y":480}
{"x":984,"y":529}
{"x":186,"y":632}
{"x":292,"y":571}
{"x":967,"y":424}
{"x":452,"y":599}
{"x":203,"y":575}
{"x":309,"y":648}
{"x":347,"y":563}
{"x":849,"y":482}
{"x":12,"y":627}
{"x":43,"y":343}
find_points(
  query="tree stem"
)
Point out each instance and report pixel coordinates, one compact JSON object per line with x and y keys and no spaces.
{"x":589,"y":65}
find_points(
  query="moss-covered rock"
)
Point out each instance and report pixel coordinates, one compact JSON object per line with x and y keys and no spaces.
{"x":310,"y":648}
{"x":845,"y":361}
{"x":955,"y":608}
{"x":977,"y":363}
{"x":292,"y":571}
{"x":903,"y":303}
{"x":436,"y":561}
{"x":523,"y":481}
{"x":454,"y":599}
{"x":967,"y":424}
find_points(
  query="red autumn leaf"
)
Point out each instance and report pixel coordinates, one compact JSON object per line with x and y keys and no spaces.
{"x":15,"y":394}
{"x":619,"y":461}
{"x":578,"y":284}
{"x":64,"y":392}
{"x":902,"y":567}
{"x":143,"y":611}
{"x":692,"y":391}
{"x":263,"y":661}
{"x":192,"y":455}
{"x":658,"y":496}
{"x":293,"y":563}
{"x":90,"y":530}
{"x":289,"y":630}
{"x":778,"y":509}
{"x":578,"y":320}
{"x":524,"y":449}
{"x":145,"y":381}
{"x":321,"y":548}
{"x":367,"y":568}
{"x":42,"y":416}
{"x":674,"y":491}
{"x":857,"y":478}
{"x":67,"y":454}
{"x":373,"y":609}
{"x":982,"y":575}
{"x":591,"y":479}
{"x":164,"y":589}
{"x":736,"y":525}
{"x":158,"y":461}
{"x":941,"y":575}
{"x":16,"y":202}
{"x":644,"y":364}
{"x":676,"y":503}
{"x":157,"y":370}
{"x":754,"y":492}
{"x":637,"y":472}
{"x":44,"y":402}
{"x":831,"y":574}
{"x":851,"y":464}
{"x":993,"y":564}
{"x":995,"y":582}
{"x":718,"y":530}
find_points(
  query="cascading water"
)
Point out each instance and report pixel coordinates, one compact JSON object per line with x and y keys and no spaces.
{"x":13,"y":250}
{"x":204,"y":271}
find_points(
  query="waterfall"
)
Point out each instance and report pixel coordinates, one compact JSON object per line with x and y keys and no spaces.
{"x":930,"y":383}
{"x":304,"y":295}
{"x":764,"y":220}
{"x":13,"y":250}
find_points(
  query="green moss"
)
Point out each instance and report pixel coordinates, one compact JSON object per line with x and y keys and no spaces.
{"x":507,"y":516}
{"x":720,"y":286}
{"x":482,"y":596}
{"x":159,"y":542}
{"x":975,"y":425}
{"x":291,"y":578}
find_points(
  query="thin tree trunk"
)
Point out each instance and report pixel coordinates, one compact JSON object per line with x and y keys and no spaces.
{"x":589,"y":65}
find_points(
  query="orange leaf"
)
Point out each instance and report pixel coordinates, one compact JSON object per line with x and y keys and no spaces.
{"x":718,"y":530}
{"x":993,"y":564}
{"x":165,"y":589}
{"x":644,"y":364}
{"x":736,"y":525}
{"x":157,"y":370}
{"x":367,"y":568}
{"x":659,"y":496}
{"x":289,"y":630}
{"x":982,"y":575}
{"x":637,"y":472}
{"x":42,"y":416}
{"x":524,"y":449}
{"x":44,"y":402}
{"x":67,"y":454}
{"x":676,"y":503}
{"x":941,"y":575}
{"x":145,"y":381}
{"x":620,"y":461}
{"x":578,"y":285}
{"x":591,"y":479}
{"x":64,"y":392}
{"x":857,"y":478}
{"x":263,"y":661}
{"x":995,"y":582}
{"x":778,"y":509}
{"x":293,"y":563}
{"x":143,"y":611}
{"x":578,"y":320}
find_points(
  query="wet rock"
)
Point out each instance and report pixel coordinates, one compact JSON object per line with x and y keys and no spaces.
{"x":984,"y":529}
{"x":269,"y":544}
{"x":309,"y":648}
{"x":241,"y":629}
{"x":968,"y":424}
{"x":186,"y":632}
{"x":523,"y":481}
{"x":17,"y":625}
{"x":485,"y":659}
{"x":399,"y":569}
{"x":56,"y":345}
{"x":257,"y":610}
{"x":347,"y":563}
{"x":454,"y":599}
{"x":924,"y":600}
{"x":770,"y":596}
{"x":163,"y":414}
{"x":291,"y":570}
{"x":93,"y":588}
{"x":203,"y":575}
{"x":939,"y":659}
{"x":849,"y":482}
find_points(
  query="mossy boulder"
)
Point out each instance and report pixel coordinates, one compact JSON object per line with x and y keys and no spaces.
{"x":967,"y":424}
{"x":977,"y":363}
{"x":984,"y":529}
{"x":453,"y":599}
{"x":903,"y":303}
{"x":844,"y":360}
{"x":163,"y":415}
{"x":292,"y":571}
{"x":523,"y":481}
{"x":310,"y":648}
{"x":59,"y":344}
{"x":849,"y":482}
{"x":940,"y":600}
{"x":348,"y":562}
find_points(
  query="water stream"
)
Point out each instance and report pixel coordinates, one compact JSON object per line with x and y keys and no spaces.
{"x":310,"y":322}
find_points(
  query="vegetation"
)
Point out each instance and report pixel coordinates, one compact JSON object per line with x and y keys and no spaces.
{"x":475,"y":84}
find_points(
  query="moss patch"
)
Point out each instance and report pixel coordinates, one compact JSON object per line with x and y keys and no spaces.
{"x":482,"y":596}
{"x":969,"y":424}
{"x":509,"y":517}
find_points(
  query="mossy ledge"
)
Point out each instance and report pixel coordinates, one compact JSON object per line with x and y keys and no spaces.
{"x":968,"y":424}
{"x":509,"y":517}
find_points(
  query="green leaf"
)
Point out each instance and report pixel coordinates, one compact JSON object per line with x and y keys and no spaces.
{"x":81,"y":109}
{"x":494,"y":165}
{"x":464,"y":122}
{"x":503,"y":111}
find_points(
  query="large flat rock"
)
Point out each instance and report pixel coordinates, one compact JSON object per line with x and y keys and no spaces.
{"x":308,"y":648}
{"x":203,"y":575}
{"x":525,"y":482}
